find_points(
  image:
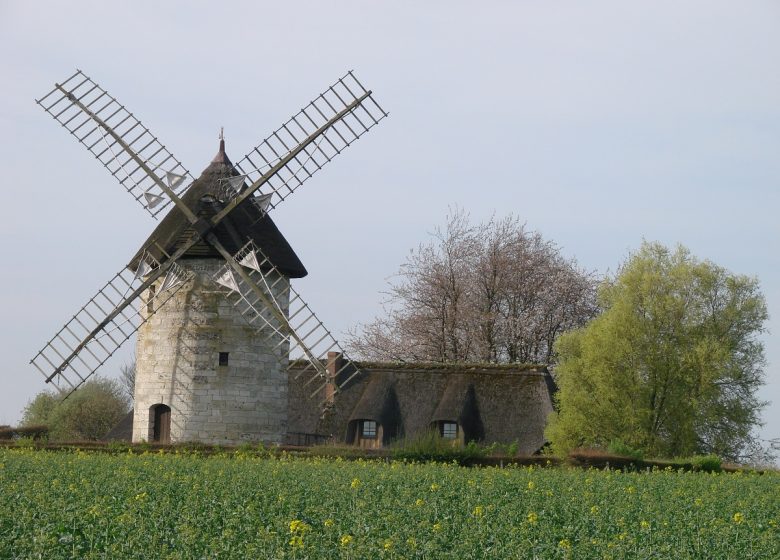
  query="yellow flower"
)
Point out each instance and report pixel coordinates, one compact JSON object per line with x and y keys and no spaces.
{"x":434,"y":487}
{"x":772,"y":523}
{"x":697,"y":502}
{"x":564,"y":544}
{"x":594,"y":510}
{"x":630,"y":489}
{"x":532,"y":517}
{"x":298,"y":526}
{"x":738,"y":518}
{"x":296,"y":541}
{"x":355,"y":483}
{"x":644,"y":524}
{"x":141,"y":496}
{"x":419,"y":502}
{"x":329,"y":523}
{"x":531,"y":485}
{"x":437,"y":527}
{"x":479,"y":511}
{"x":388,"y":544}
{"x":345,"y":540}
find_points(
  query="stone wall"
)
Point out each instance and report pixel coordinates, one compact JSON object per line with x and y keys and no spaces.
{"x":177,"y":361}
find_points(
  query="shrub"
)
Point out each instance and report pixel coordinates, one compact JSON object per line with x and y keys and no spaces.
{"x":88,"y":414}
{"x":706,"y":463}
{"x":430,"y":446}
{"x":37,"y":432}
{"x":617,"y":447}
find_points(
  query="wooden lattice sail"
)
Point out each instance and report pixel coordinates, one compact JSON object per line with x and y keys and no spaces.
{"x":266,"y":176}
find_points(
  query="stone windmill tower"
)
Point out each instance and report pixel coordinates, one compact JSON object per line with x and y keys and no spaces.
{"x":202,"y":372}
{"x":219,"y":324}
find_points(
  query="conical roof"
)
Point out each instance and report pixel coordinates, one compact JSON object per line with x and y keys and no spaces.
{"x":205,"y":198}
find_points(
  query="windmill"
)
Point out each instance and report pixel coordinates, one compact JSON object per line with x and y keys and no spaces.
{"x":219,"y":325}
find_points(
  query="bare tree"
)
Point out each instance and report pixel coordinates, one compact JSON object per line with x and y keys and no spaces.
{"x":493,"y":292}
{"x":127,"y":379}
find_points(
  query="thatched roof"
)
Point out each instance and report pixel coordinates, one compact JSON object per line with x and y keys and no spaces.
{"x":377,"y":402}
{"x":244,"y":223}
{"x":454,"y":400}
{"x":491,"y":403}
{"x":123,"y":431}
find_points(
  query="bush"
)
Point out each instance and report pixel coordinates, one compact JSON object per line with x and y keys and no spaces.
{"x":87,"y":414}
{"x":37,"y":432}
{"x":430,"y":446}
{"x":502,"y":449}
{"x":617,"y":447}
{"x":706,"y":463}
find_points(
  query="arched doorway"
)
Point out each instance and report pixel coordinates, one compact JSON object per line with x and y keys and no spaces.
{"x":161,"y":423}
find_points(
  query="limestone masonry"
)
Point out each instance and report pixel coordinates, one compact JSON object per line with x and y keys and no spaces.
{"x":178,"y":353}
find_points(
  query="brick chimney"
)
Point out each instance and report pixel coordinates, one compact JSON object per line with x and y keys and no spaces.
{"x":334,"y":364}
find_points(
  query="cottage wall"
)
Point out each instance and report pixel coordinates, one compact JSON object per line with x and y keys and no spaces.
{"x":177,"y":361}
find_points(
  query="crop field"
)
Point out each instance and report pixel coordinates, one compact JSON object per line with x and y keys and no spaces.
{"x":83,"y":505}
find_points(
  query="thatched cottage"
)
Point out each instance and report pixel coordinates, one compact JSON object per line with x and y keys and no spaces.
{"x":463,"y":402}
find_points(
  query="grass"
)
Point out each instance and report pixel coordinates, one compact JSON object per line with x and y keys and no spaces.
{"x":185,"y":505}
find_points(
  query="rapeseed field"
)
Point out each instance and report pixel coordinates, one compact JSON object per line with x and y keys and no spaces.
{"x":86,"y":505}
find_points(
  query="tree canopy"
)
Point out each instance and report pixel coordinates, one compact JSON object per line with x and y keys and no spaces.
{"x":492,"y":292}
{"x":673,"y":364}
{"x":87,"y":414}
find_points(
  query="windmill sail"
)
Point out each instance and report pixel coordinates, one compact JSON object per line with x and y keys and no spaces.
{"x":103,"y":324}
{"x":300,"y":334}
{"x":132,"y":154}
{"x":154,"y":177}
{"x":360,"y":114}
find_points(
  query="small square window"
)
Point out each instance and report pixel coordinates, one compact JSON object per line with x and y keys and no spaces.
{"x":449,"y":430}
{"x":223,"y":358}
{"x":369,"y":429}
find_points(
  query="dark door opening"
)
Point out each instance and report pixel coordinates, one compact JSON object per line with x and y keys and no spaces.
{"x":161,"y":430}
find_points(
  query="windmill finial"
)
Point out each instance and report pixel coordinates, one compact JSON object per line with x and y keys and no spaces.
{"x":221,"y":157}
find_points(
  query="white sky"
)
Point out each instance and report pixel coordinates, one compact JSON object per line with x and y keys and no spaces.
{"x":601,"y":123}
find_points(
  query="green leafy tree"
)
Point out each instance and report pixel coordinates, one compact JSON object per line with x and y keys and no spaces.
{"x":671,"y":367}
{"x":87,"y":414}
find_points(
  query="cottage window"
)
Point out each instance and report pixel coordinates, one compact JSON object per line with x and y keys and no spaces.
{"x":368,"y":429}
{"x":449,"y":430}
{"x":223,"y":358}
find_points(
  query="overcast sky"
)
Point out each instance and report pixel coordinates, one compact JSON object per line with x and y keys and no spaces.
{"x":599,"y":123}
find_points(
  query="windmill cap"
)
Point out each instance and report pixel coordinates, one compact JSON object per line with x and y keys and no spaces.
{"x":221,"y":156}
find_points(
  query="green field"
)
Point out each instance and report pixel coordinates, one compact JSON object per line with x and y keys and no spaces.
{"x":83,"y":505}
